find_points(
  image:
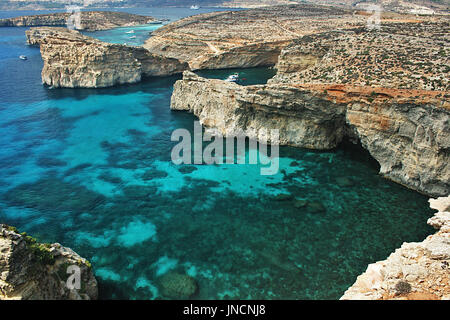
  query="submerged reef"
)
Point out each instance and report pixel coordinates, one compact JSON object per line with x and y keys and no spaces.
{"x":30,"y":270}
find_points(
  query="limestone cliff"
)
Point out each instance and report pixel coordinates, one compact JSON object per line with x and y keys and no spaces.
{"x":407,"y":135}
{"x":73,"y":60}
{"x":89,"y":20}
{"x":304,"y":119}
{"x":34,"y":271}
{"x":416,"y":271}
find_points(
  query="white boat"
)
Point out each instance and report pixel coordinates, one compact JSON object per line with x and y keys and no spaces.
{"x":195,"y":7}
{"x":233,"y":78}
{"x":133,"y":37}
{"x":131,"y":31}
{"x":22,"y":57}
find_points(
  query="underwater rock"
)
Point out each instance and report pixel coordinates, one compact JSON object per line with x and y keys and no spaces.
{"x":139,"y":192}
{"x":316,"y":207}
{"x":177,"y":286}
{"x":110,"y":178}
{"x":154,"y":174}
{"x":53,"y":194}
{"x":50,"y":162}
{"x":37,"y":271}
{"x":282,"y":197}
{"x":300,"y":203}
{"x":344,"y":182}
{"x":294,"y":164}
{"x":187,"y":169}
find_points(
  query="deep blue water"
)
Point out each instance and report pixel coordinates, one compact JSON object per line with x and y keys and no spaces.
{"x":91,"y":169}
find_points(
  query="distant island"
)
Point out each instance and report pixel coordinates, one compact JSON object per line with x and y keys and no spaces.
{"x":417,"y":6}
{"x":89,"y":20}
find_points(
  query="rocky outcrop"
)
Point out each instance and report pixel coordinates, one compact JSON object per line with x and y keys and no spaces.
{"x":89,"y":20}
{"x":303,"y":118}
{"x":72,"y":60}
{"x":415,"y":271}
{"x":34,"y":271}
{"x":407,"y":135}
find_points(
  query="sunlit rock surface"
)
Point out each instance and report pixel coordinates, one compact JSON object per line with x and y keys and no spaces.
{"x":72,"y":60}
{"x":36,"y":271}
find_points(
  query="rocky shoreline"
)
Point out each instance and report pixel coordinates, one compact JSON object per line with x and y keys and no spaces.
{"x":30,"y":270}
{"x":89,"y":20}
{"x":72,"y":60}
{"x":416,"y":271}
{"x":334,"y":80}
{"x":386,"y":122}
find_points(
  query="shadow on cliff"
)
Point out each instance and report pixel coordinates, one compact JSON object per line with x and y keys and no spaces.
{"x":355,"y":151}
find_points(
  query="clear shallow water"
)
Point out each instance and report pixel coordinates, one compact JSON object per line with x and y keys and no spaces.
{"x":91,"y":169}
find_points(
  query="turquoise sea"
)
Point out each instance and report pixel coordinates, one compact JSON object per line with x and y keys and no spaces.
{"x":91,"y":169}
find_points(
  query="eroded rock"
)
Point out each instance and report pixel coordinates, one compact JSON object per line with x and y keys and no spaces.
{"x":72,"y":60}
{"x":34,"y":271}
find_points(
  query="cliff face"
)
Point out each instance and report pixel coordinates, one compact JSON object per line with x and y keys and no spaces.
{"x":72,"y":60}
{"x":303,"y":118}
{"x":89,"y":20}
{"x":30,"y":270}
{"x":409,"y":137}
{"x":416,"y":271}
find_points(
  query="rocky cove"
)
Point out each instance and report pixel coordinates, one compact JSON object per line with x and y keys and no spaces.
{"x":404,"y":129}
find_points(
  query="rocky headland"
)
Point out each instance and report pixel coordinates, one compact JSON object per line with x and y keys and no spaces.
{"x":89,"y":20}
{"x":415,"y":271}
{"x":30,"y":270}
{"x":406,"y":131}
{"x":72,"y":60}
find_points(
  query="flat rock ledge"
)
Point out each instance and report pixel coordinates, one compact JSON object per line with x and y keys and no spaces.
{"x":72,"y":60}
{"x":415,"y":271}
{"x":30,"y":270}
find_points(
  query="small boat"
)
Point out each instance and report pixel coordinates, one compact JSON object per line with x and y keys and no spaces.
{"x":131,"y":31}
{"x":195,"y":7}
{"x":22,"y":57}
{"x":133,"y":37}
{"x":233,"y":78}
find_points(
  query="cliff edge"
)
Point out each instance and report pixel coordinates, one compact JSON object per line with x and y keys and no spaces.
{"x":35,"y":271}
